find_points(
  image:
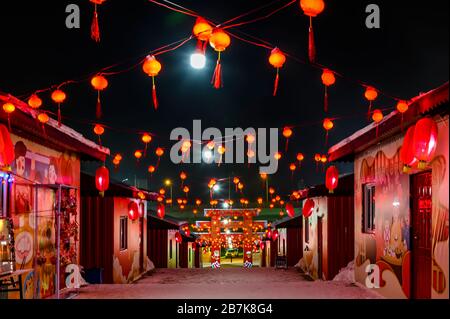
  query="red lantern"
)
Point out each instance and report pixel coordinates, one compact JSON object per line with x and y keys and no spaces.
{"x":99,"y":82}
{"x":371,"y":95}
{"x":102,"y":179}
{"x":425,"y":141}
{"x":146,"y":138}
{"x":6,"y":147}
{"x":95,"y":29}
{"x":159,"y":152}
{"x":328,"y":79}
{"x":219,"y":41}
{"x":287,"y":133}
{"x":407,"y":152}
{"x":300,"y":158}
{"x":377,"y":117}
{"x":292,"y":168}
{"x":277,"y":60}
{"x":34,"y":101}
{"x":327,"y":125}
{"x":308,"y":208}
{"x":312,"y":8}
{"x":152,"y":67}
{"x":178,"y":237}
{"x":133,"y":210}
{"x":58,"y":96}
{"x":99,"y":130}
{"x":9,"y":108}
{"x":275,"y":234}
{"x":290,"y":210}
{"x":161,"y":211}
{"x":332,"y":179}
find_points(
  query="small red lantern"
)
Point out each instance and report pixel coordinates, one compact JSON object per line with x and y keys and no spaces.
{"x":328,"y":79}
{"x":377,"y":117}
{"x":407,"y":152}
{"x":219,"y":41}
{"x":9,"y":108}
{"x":371,"y":95}
{"x":290,"y":210}
{"x":161,"y":210}
{"x":312,"y":8}
{"x":425,"y":141}
{"x":327,"y":125}
{"x":277,"y":60}
{"x":202,"y":30}
{"x":99,"y":130}
{"x":152,"y":67}
{"x":151,"y":169}
{"x":159,"y":152}
{"x":308,"y":208}
{"x":34,"y":101}
{"x":146,"y":138}
{"x":292,"y":168}
{"x":300,"y":158}
{"x":178,"y":237}
{"x":58,"y":96}
{"x":133,"y":210}
{"x":287,"y":133}
{"x":99,"y":82}
{"x":332,"y":179}
{"x":274,"y":234}
{"x":102,"y":179}
{"x":95,"y":29}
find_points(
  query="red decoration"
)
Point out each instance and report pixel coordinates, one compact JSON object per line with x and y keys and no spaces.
{"x":371,"y":95}
{"x":290,"y":210}
{"x":6,"y":147}
{"x":332,"y":179}
{"x":99,"y":130}
{"x":407,"y":152}
{"x":328,"y":79}
{"x":219,"y":41}
{"x":161,"y":211}
{"x":95,"y":29}
{"x":34,"y":101}
{"x":133,"y":210}
{"x":178,"y":237}
{"x":274,"y":234}
{"x":102,"y":179}
{"x":308,"y":208}
{"x":287,"y":133}
{"x":152,"y":67}
{"x":99,"y":82}
{"x":202,"y":30}
{"x":425,"y":141}
{"x":327,"y":125}
{"x":277,"y":60}
{"x":377,"y":117}
{"x":312,"y":8}
{"x":300,"y":158}
{"x":9,"y":108}
{"x":58,"y":96}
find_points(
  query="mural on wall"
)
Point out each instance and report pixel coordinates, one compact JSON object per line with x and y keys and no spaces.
{"x":34,"y":163}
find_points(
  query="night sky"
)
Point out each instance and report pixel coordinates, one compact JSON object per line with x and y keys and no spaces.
{"x":408,"y":55}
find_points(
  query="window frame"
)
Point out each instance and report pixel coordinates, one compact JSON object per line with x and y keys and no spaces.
{"x":123,"y":233}
{"x":307,"y":230}
{"x":368,"y":209}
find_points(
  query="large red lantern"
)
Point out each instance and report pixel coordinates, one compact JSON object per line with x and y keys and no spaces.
{"x":277,"y":60}
{"x":308,"y":208}
{"x":219,"y":41}
{"x":102,"y":179}
{"x":95,"y":29}
{"x":178,"y":237}
{"x":6,"y":147}
{"x":425,"y":141}
{"x":161,"y":210}
{"x":332,"y":179}
{"x":274,"y":234}
{"x":312,"y":8}
{"x":99,"y":82}
{"x":290,"y":210}
{"x":152,"y":67}
{"x":407,"y":152}
{"x":328,"y":79}
{"x":133,"y":210}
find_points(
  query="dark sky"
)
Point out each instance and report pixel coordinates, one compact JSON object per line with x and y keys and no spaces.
{"x":408,"y":55}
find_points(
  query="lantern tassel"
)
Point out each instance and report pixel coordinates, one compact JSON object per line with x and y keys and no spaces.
{"x":311,"y":45}
{"x":275,"y":87}
{"x":155,"y":98}
{"x":98,"y":107}
{"x":287,"y":145}
{"x":217,"y":76}
{"x":325,"y":101}
{"x":95,"y":29}
{"x":9,"y":123}
{"x":59,"y":115}
{"x":370,"y":111}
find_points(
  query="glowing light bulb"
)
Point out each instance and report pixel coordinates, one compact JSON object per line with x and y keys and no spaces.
{"x":198,"y":60}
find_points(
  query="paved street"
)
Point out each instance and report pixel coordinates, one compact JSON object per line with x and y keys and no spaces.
{"x":227,"y":283}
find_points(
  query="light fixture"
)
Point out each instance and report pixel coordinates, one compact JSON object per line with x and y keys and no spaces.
{"x":207,"y":156}
{"x":226,"y":205}
{"x":198,"y":60}
{"x":216,"y":188}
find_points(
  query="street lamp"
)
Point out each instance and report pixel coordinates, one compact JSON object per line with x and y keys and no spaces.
{"x":168,"y":183}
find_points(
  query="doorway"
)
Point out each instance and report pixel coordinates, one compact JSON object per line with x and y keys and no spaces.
{"x":421,"y":235}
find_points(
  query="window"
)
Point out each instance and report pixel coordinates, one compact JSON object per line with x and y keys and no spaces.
{"x":368,"y":208}
{"x":307,"y":230}
{"x":123,"y":233}
{"x":284,"y":247}
{"x":170,"y":249}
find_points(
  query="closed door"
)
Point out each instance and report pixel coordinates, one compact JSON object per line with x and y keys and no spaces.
{"x":421,"y":239}
{"x":319,"y":247}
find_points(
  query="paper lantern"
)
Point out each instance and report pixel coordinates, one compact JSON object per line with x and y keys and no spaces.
{"x":407,"y":152}
{"x":99,"y":130}
{"x":178,"y":237}
{"x":152,"y":67}
{"x":138,"y":154}
{"x":277,"y":60}
{"x":377,"y":117}
{"x":308,"y":208}
{"x":34,"y":101}
{"x":312,"y":8}
{"x":151,"y":169}
{"x":58,"y":96}
{"x":300,"y":157}
{"x":146,"y":139}
{"x":9,"y":108}
{"x":371,"y":95}
{"x":43,"y":118}
{"x":99,"y":83}
{"x":278,"y":156}
{"x":159,"y":152}
{"x":221,"y":150}
{"x":183,"y":177}
{"x":327,"y":125}
{"x":102,"y":179}
{"x":7,"y":154}
{"x":133,"y":210}
{"x":425,"y":141}
{"x":287,"y":133}
{"x":275,"y":234}
{"x":402,"y":107}
{"x":328,"y":79}
{"x":161,"y":210}
{"x":290,"y":210}
{"x":219,"y":41}
{"x":202,"y":30}
{"x":95,"y":29}
{"x":332,"y":179}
